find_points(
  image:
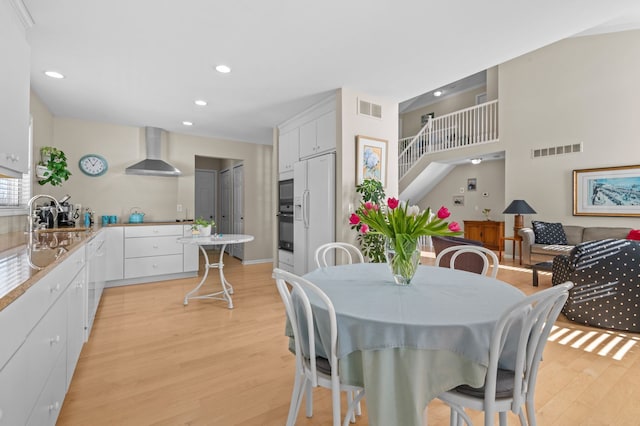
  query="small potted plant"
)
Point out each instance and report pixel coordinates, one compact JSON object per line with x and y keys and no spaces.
{"x":52,"y":167}
{"x":202,"y":227}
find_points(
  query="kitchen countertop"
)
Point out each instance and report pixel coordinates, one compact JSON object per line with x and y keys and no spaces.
{"x":25,"y":258}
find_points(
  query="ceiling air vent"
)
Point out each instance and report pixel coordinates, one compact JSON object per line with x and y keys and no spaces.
{"x":556,"y":150}
{"x":369,"y":108}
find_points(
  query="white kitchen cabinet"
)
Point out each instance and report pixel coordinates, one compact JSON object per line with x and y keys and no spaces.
{"x":34,"y":360}
{"x":190,"y":254}
{"x":318,"y":136}
{"x":153,"y":251}
{"x":146,"y":253}
{"x":14,"y":87}
{"x":77,"y":332}
{"x":96,"y":274}
{"x":287,"y":152}
{"x":115,"y":253}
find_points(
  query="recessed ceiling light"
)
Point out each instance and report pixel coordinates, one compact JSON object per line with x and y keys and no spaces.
{"x":223,"y":69}
{"x":53,"y":74}
{"x":476,"y":160}
{"x":187,"y":123}
{"x":437,"y":93}
{"x":200,"y":102}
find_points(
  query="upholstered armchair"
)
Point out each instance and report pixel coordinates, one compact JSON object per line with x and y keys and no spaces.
{"x":606,"y":274}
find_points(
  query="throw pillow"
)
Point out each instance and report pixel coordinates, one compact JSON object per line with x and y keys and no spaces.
{"x":549,"y":233}
{"x":634,"y":234}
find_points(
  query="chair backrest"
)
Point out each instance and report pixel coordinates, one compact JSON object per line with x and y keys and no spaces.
{"x":324,"y":251}
{"x":532,"y":319}
{"x":466,"y":262}
{"x":294,"y":291}
{"x":487,"y":257}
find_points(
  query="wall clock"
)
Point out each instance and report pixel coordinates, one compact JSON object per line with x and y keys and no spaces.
{"x":93,"y":165}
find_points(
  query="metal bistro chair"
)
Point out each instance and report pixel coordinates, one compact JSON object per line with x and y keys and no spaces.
{"x":311,"y":369}
{"x":531,"y":320}
{"x":481,"y":252}
{"x":325,"y":249}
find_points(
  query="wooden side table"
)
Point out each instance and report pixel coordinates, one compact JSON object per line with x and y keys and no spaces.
{"x":514,"y":239}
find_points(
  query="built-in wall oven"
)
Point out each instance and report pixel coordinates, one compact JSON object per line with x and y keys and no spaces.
{"x":285,"y":215}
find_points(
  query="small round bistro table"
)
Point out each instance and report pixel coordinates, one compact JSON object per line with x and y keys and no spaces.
{"x":214,"y":240}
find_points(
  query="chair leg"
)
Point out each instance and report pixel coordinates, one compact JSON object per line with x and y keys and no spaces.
{"x":531,"y":414}
{"x":296,"y":399}
{"x":309,"y":398}
{"x":349,"y":403}
{"x":335,"y":399}
{"x":502,"y":416}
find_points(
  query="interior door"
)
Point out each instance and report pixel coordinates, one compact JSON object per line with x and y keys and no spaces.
{"x":225,"y":202}
{"x":238,"y":209}
{"x":205,"y":192}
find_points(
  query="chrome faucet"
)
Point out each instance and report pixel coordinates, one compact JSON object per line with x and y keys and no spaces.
{"x":33,"y":218}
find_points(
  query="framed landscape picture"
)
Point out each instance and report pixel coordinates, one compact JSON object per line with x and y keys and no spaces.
{"x":371,"y":159}
{"x":607,"y":191}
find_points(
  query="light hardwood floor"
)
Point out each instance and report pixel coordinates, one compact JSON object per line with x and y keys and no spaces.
{"x":152,"y":361}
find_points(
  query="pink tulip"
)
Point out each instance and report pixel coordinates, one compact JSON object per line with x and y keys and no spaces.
{"x":443,"y":213}
{"x":376,"y":207}
{"x":354,"y":219}
{"x":364,"y":228}
{"x":393,"y":203}
{"x":454,"y":227}
{"x":369,"y":205}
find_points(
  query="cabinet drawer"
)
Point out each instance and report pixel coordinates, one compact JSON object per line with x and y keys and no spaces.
{"x":16,"y":399}
{"x":151,"y":246}
{"x":152,"y":231}
{"x":45,"y":343}
{"x":49,"y":403}
{"x":155,"y":265}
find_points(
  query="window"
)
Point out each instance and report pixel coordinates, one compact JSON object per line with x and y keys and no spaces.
{"x":15,"y":193}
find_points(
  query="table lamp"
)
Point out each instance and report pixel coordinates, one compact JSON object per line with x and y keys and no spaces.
{"x":518,"y":207}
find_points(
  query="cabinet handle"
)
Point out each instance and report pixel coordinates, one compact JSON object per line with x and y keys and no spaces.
{"x":54,"y":407}
{"x":54,"y":340}
{"x":55,"y":288}
{"x":79,"y":285}
{"x":155,"y":246}
{"x":154,"y":266}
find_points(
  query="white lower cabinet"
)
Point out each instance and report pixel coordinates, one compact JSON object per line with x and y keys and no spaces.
{"x":77,"y":331}
{"x":149,"y":253}
{"x":34,"y":366}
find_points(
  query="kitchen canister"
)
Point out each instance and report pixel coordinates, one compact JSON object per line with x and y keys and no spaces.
{"x":105,"y":220}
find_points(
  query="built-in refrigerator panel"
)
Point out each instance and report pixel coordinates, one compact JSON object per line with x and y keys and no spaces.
{"x":314,"y":209}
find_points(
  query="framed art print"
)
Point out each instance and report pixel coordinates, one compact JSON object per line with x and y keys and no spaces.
{"x":607,"y":191}
{"x":371,"y":159}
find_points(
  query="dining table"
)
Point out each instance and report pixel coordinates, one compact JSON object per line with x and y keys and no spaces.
{"x":222,"y":241}
{"x":407,"y":344}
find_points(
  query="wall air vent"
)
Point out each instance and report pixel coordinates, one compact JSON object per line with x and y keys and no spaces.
{"x":369,"y":108}
{"x":556,"y":150}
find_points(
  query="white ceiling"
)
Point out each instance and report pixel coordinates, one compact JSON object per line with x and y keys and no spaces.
{"x":144,"y":62}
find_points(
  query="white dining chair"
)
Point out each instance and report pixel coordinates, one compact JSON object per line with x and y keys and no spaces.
{"x":352,"y":253}
{"x":530,"y":321}
{"x":312,"y":370}
{"x":488,"y":257}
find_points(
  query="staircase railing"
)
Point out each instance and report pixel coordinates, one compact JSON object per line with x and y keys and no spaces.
{"x":460,"y":129}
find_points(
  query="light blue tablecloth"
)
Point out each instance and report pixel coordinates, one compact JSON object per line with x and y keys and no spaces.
{"x":407,"y":344}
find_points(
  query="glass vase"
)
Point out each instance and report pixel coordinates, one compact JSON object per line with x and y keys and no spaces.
{"x":403,"y":258}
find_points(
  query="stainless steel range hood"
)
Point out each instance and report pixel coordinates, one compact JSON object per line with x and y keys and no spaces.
{"x":153,"y":165}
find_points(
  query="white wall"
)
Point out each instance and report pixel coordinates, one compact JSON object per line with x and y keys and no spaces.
{"x":116,"y":192}
{"x":349,"y":125}
{"x":489,"y":177}
{"x":582,"y":89}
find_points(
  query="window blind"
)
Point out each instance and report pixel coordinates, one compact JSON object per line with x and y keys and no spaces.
{"x":15,"y":192}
